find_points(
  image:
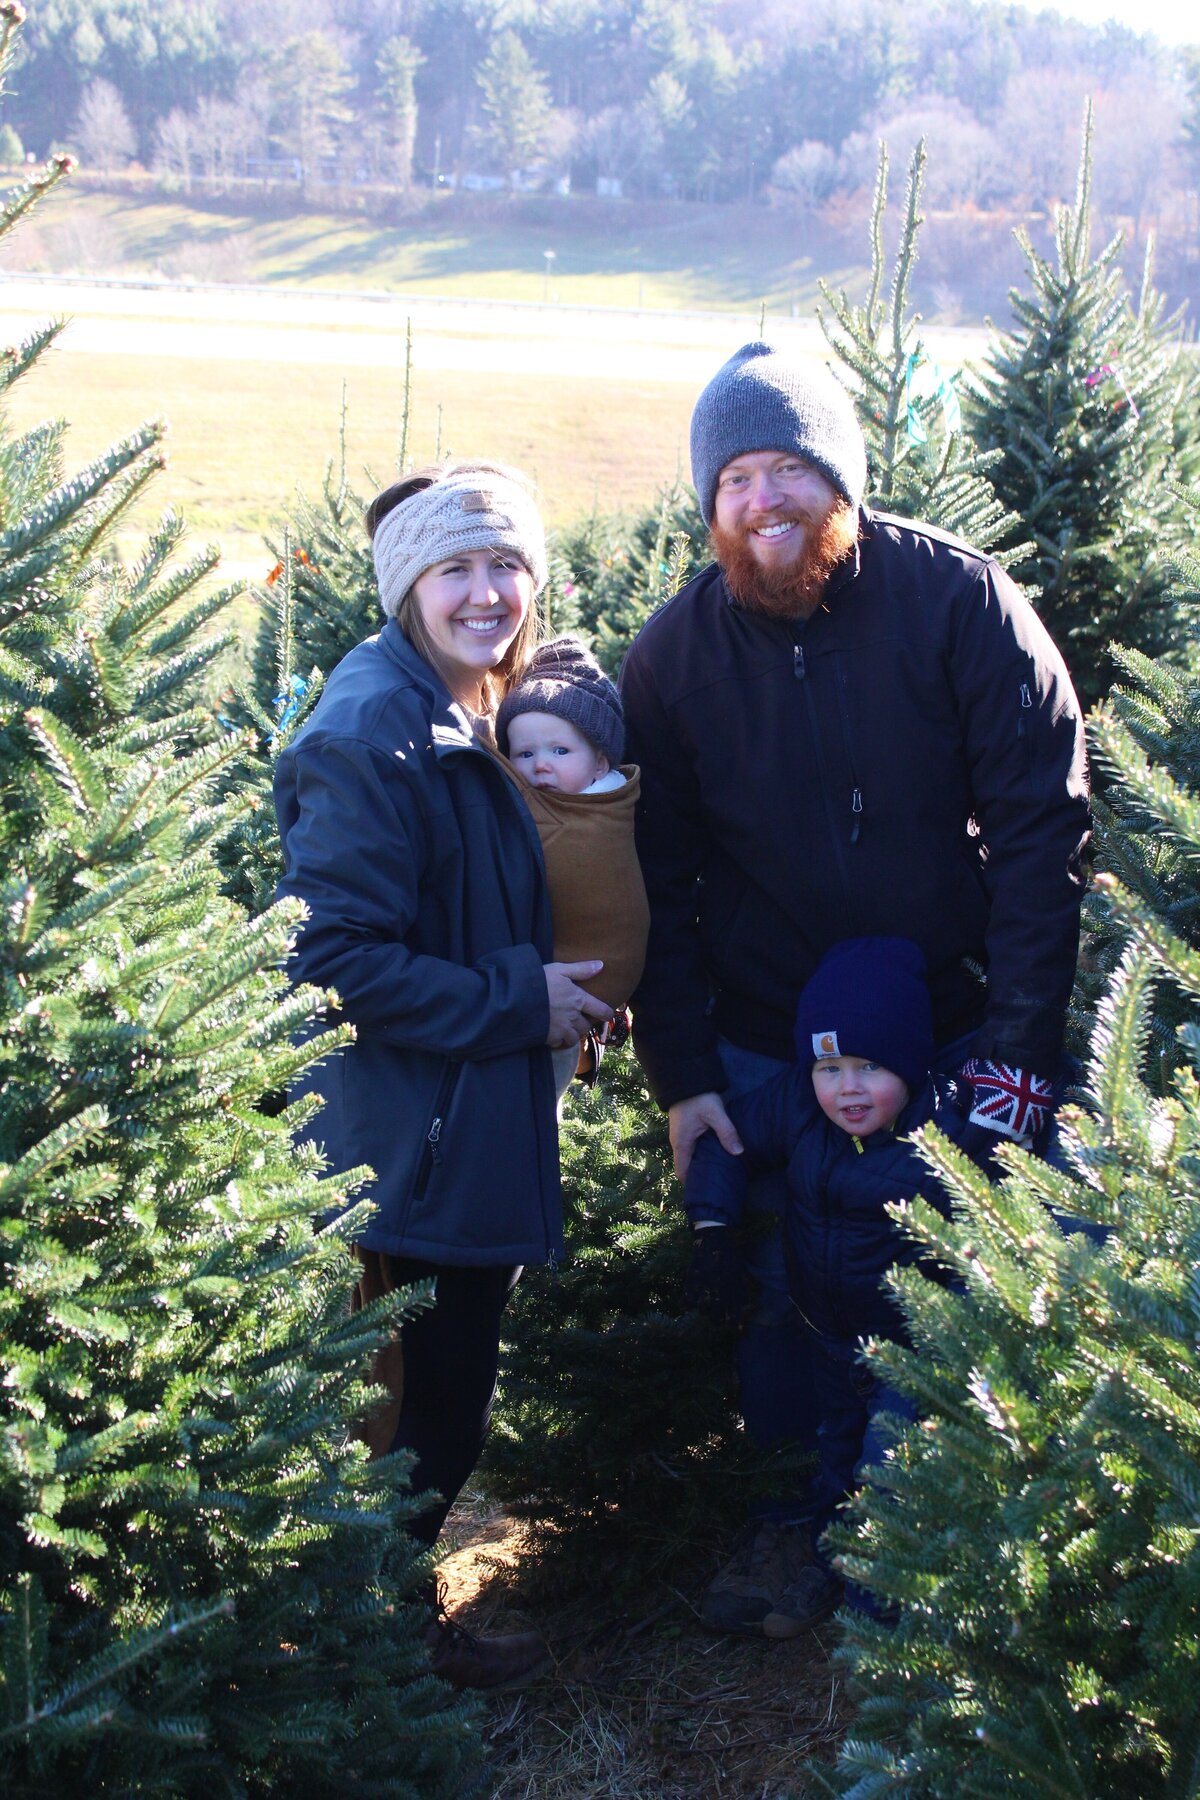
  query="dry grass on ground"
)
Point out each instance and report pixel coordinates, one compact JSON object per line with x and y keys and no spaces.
{"x":644,"y":1704}
{"x":244,"y":436}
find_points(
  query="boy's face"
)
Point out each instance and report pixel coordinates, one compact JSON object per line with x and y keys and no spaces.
{"x":858,"y":1095}
{"x":551,"y":752}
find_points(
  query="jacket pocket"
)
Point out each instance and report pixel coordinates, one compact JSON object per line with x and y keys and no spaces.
{"x":431,"y":1150}
{"x":1026,"y":715}
{"x":722,"y":896}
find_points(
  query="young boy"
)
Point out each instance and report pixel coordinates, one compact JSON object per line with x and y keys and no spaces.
{"x":837,"y":1120}
{"x":563,"y":733}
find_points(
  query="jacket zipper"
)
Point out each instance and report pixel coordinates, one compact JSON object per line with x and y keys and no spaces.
{"x":535,"y":843}
{"x":432,"y":1151}
{"x":800,"y":672}
{"x":856,"y":800}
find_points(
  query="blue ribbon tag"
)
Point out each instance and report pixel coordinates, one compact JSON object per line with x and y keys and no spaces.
{"x":925,"y":380}
{"x":290,"y":702}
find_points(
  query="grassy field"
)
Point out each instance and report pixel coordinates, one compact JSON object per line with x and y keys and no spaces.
{"x":244,"y":436}
{"x":604,"y":254}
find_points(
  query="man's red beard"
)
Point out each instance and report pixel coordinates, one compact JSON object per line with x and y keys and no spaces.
{"x":793,"y":590}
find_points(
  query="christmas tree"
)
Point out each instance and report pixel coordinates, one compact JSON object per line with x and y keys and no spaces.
{"x":1035,"y":1536}
{"x":204,"y":1586}
{"x":920,"y":463}
{"x":1147,"y":744}
{"x":621,"y":569}
{"x":1092,"y":404}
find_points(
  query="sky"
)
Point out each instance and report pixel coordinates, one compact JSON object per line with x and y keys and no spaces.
{"x":1174,"y":21}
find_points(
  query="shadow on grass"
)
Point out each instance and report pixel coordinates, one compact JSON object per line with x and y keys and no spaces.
{"x":642,"y":1699}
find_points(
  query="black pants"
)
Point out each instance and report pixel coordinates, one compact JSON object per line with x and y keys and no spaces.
{"x":447,"y":1385}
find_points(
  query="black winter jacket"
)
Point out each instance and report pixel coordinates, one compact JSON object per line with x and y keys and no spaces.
{"x":423,"y":875}
{"x":838,"y":1239}
{"x":908,"y":762}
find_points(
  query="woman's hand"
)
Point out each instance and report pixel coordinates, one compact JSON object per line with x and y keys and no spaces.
{"x":573,"y":1011}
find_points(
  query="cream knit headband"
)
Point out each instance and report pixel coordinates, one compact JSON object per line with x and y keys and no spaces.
{"x":473,"y":510}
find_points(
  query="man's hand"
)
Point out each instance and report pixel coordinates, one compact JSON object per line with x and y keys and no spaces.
{"x":690,"y":1119}
{"x":573,"y":1011}
{"x":715,"y":1279}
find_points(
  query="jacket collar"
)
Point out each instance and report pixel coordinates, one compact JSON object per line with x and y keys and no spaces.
{"x":450,"y":726}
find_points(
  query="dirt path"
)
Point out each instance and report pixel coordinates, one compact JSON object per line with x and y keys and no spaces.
{"x":640,"y":1703}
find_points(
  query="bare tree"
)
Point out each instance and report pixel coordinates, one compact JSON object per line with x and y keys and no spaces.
{"x":173,"y":148}
{"x":1037,"y":135}
{"x":219,"y":139}
{"x":103,"y":131}
{"x":808,"y":170}
{"x":622,"y":141}
{"x":252,"y":97}
{"x":397,"y":65}
{"x":962,"y":152}
{"x":1139,"y":126}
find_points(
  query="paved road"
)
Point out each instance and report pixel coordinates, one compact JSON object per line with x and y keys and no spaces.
{"x":362,"y":331}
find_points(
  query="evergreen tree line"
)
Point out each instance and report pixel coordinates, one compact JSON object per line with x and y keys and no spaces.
{"x":204,"y":1587}
{"x":660,"y":98}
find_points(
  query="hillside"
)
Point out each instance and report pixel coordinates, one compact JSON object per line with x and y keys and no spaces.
{"x":626,"y":254}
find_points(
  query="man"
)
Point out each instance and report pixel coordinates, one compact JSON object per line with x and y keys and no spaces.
{"x":850,"y":725}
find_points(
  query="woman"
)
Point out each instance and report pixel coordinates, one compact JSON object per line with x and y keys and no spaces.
{"x":420,"y":867}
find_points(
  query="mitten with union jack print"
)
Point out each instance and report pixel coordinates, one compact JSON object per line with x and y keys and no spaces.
{"x":1011,"y":1102}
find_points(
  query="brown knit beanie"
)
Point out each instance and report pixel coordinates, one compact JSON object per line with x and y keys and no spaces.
{"x":563,"y":678}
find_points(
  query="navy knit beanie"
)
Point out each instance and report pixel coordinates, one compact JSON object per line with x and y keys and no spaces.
{"x":869,"y":998}
{"x":765,"y":399}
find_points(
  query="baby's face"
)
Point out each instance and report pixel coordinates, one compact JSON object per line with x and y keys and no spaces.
{"x":551,"y":752}
{"x":859,"y":1095}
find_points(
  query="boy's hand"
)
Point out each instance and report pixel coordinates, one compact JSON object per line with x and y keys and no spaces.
{"x":715,"y":1280}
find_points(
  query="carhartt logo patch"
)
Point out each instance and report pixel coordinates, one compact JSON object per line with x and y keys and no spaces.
{"x":825,"y":1043}
{"x":473,"y":503}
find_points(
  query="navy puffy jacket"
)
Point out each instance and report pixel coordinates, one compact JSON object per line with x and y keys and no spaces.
{"x":423,"y":875}
{"x":839,"y":1239}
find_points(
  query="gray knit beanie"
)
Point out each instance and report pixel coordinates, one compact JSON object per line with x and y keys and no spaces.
{"x":471,"y":509}
{"x":764,"y":399}
{"x":562,"y":677}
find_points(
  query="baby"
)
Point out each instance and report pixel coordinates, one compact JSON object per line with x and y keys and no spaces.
{"x":563,"y":733}
{"x":551,"y":752}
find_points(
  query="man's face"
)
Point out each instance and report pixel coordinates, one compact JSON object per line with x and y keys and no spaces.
{"x":775,"y":502}
{"x":779,"y":529}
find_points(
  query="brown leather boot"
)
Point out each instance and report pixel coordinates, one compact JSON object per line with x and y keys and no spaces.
{"x":464,"y":1660}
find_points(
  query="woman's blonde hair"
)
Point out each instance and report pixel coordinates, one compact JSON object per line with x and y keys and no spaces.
{"x":496,"y":682}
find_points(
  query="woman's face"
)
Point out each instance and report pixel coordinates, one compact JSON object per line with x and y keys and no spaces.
{"x":472,"y":607}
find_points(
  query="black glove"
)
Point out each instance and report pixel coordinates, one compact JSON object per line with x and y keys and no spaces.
{"x":716,"y":1274}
